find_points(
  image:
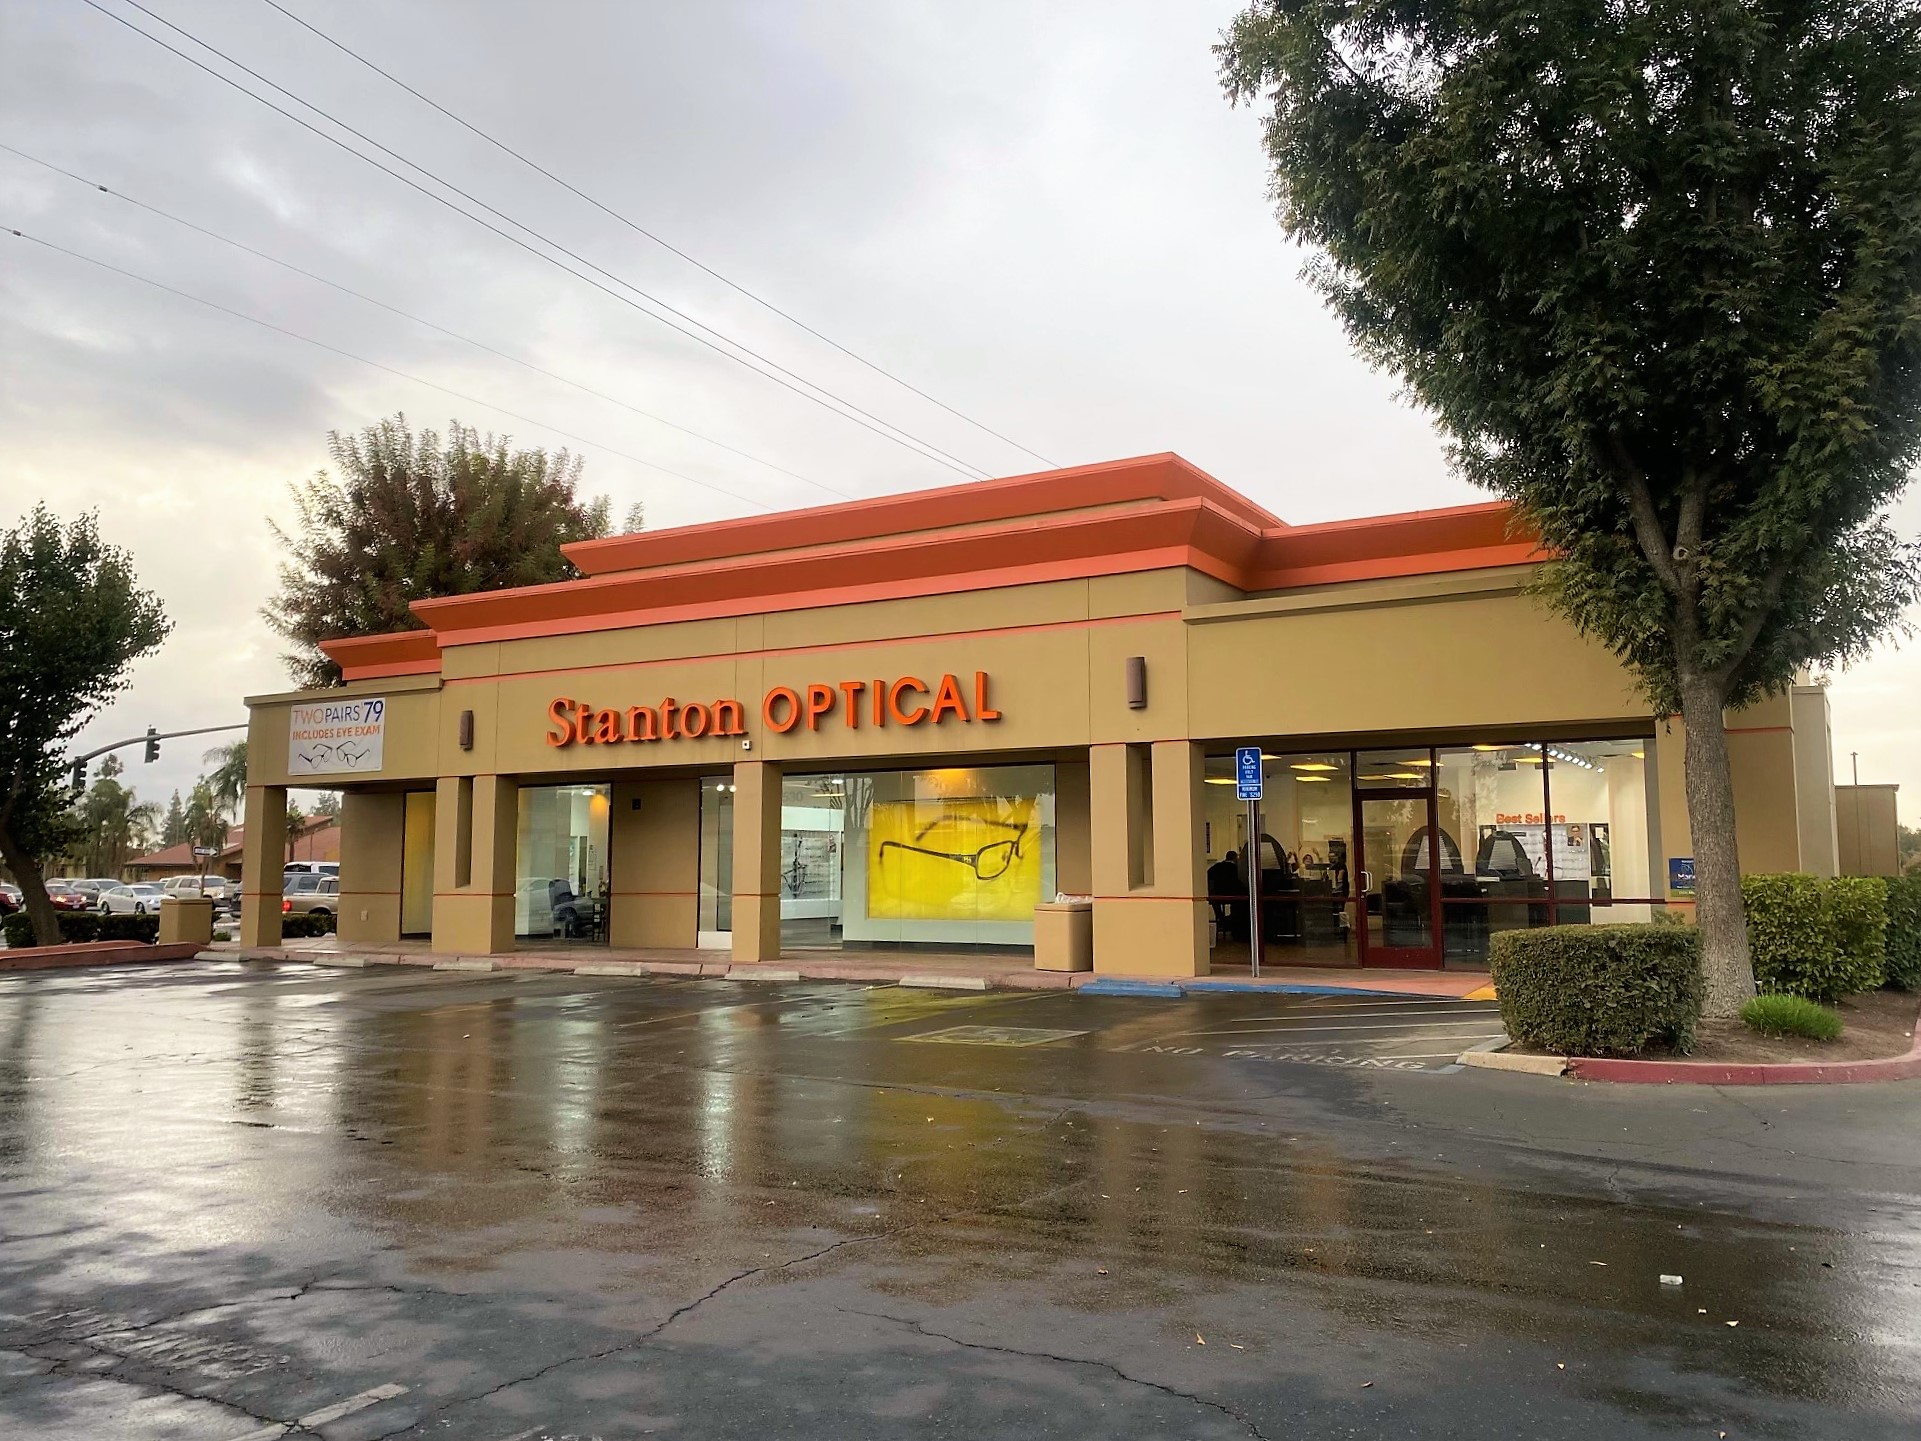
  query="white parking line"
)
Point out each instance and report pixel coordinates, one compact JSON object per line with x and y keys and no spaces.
{"x":1447,"y":1009}
{"x":359,"y":1402}
{"x":1292,"y":1030}
{"x":1417,"y":1038}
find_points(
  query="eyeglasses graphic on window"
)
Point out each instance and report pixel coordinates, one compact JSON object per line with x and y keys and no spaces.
{"x":989,"y":863}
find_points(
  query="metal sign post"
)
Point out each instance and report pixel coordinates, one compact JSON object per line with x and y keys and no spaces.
{"x":1247,"y":787}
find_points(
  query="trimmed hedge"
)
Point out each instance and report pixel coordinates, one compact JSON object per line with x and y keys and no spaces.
{"x":79,"y":927}
{"x":293,"y":928}
{"x":1904,"y":932}
{"x":1599,"y":990}
{"x":1822,"y":939}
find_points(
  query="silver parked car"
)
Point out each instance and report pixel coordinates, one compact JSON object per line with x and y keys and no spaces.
{"x":140,"y":900}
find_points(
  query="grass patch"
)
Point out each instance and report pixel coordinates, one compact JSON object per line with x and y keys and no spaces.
{"x":1791,"y":1016}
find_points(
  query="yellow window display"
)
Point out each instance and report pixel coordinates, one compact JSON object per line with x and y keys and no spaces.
{"x":973,"y":859}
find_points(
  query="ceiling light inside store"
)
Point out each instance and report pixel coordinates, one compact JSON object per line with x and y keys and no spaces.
{"x":1313,"y":780}
{"x":1490,"y":748}
{"x":1528,"y":758}
{"x":1220,"y":780}
{"x":1639,"y":755}
{"x":1313,"y":766}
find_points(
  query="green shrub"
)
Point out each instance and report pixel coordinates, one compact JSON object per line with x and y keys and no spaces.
{"x":1904,"y":932}
{"x":1599,"y":990}
{"x":1822,"y":939}
{"x":80,"y":927}
{"x":1791,"y":1016}
{"x":293,"y":928}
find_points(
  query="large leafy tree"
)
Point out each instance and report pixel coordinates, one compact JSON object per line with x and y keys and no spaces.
{"x":1655,"y":265}
{"x":403,"y":517}
{"x":110,"y":824}
{"x":73,"y":619}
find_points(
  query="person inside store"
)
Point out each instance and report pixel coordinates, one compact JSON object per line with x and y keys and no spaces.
{"x":1226,"y":886}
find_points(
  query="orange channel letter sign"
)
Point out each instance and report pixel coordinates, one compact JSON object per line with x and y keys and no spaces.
{"x":906,"y":701}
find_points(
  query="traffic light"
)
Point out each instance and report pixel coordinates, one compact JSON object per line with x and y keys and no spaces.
{"x":79,"y":775}
{"x":153,"y":744}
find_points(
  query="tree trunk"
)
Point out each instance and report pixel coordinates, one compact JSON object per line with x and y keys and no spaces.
{"x":1727,"y":966}
{"x":33,"y":890}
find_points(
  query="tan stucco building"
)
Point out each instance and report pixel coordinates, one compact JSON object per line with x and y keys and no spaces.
{"x":905,"y":722}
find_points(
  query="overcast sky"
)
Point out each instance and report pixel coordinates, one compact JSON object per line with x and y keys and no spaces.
{"x":1043,"y":215}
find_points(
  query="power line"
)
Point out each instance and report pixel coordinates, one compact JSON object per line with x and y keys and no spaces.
{"x":826,"y":399}
{"x":418,"y":320}
{"x":639,"y":229}
{"x":377,"y":365}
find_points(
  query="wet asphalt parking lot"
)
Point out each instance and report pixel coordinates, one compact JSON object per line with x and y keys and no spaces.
{"x":254,"y":1200}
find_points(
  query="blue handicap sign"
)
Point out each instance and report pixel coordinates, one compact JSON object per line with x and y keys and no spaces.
{"x":1247,"y":773}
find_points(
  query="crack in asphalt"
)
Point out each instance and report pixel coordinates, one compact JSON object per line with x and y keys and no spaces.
{"x":63,"y":1367}
{"x":1108,"y":1366}
{"x":640,"y":1341}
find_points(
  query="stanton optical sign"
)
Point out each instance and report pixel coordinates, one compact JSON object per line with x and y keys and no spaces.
{"x":877,"y":704}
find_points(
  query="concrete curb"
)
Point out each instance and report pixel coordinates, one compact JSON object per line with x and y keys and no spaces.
{"x":465,"y":963}
{"x":1498,"y":1060}
{"x":945,"y":983}
{"x":77,"y":954}
{"x":1773,"y":1073}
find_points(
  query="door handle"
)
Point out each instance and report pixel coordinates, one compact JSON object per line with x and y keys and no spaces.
{"x":1367,"y":880}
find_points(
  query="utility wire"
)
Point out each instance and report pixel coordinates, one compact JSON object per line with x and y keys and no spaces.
{"x":640,"y":229}
{"x":418,"y":320}
{"x":846,"y":409}
{"x":377,"y":365}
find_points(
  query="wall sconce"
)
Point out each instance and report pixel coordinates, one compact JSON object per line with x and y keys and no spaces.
{"x":1137,"y":682}
{"x":466,"y":730}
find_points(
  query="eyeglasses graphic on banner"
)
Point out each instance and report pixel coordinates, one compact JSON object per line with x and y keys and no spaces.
{"x":990,"y":862}
{"x":973,"y":859}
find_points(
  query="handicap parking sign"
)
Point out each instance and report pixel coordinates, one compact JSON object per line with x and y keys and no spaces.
{"x":1247,"y":773}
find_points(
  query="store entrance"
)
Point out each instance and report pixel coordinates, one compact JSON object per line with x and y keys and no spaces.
{"x":1399,"y":870}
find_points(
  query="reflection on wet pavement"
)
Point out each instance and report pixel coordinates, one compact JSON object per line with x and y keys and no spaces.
{"x":235,"y":1195}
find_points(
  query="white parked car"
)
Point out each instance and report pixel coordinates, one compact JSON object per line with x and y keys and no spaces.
{"x":216,"y":886}
{"x":140,"y":900}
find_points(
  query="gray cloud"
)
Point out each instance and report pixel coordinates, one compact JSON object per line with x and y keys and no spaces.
{"x":1045,"y":215}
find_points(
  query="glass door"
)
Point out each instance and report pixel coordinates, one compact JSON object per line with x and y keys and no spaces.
{"x":1398,"y":874}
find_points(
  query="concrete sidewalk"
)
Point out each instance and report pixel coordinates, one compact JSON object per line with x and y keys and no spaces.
{"x":879,"y":967}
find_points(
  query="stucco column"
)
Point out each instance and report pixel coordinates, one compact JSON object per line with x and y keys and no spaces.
{"x":757,"y":861}
{"x":654,"y":847}
{"x":373,"y":830}
{"x":1150,"y":911}
{"x":475,"y":820}
{"x":263,"y":857}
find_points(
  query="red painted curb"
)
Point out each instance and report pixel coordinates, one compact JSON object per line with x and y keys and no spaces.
{"x":1773,"y":1073}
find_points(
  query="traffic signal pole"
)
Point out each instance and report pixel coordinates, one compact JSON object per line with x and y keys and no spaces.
{"x":151,"y":740}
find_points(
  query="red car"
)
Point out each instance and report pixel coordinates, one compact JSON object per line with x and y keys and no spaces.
{"x":70,"y":901}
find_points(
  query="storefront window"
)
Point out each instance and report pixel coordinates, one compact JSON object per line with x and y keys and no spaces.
{"x":1490,"y":801}
{"x":1602,"y":866}
{"x":812,"y":839}
{"x":936,"y":858}
{"x":1305,"y":850}
{"x":561,"y":886}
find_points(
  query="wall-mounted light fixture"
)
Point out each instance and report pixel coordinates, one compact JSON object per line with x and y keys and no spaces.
{"x":466,"y":730}
{"x":1137,"y":682}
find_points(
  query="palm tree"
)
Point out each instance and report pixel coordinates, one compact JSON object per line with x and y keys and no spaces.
{"x":227,"y":782}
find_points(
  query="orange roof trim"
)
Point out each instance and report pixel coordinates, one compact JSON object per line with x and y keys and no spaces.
{"x":373,"y":657}
{"x":1149,"y":513}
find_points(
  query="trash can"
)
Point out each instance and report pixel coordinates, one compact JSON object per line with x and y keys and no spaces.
{"x":1064,"y":935}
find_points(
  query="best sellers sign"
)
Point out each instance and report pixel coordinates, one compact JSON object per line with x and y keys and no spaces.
{"x":340,"y":737}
